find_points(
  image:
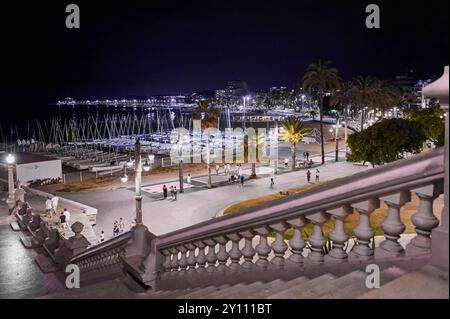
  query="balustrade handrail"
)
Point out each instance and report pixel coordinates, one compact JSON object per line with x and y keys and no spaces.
{"x":408,"y":173}
{"x":115,"y":242}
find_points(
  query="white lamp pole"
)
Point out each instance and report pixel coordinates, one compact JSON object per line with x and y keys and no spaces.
{"x":10,"y":160}
{"x":138,"y":180}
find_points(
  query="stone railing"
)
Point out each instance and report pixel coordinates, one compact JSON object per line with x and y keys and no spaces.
{"x":103,"y":255}
{"x":205,"y":245}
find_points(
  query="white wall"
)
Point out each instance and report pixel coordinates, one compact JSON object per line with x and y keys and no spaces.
{"x":39,"y":170}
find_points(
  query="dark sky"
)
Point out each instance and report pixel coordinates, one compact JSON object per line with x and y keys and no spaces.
{"x":139,"y":48}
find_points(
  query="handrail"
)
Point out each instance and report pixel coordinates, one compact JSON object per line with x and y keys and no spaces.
{"x":412,"y":172}
{"x":103,"y":247}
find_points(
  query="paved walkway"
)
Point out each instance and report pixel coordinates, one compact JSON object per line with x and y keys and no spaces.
{"x":162,"y":216}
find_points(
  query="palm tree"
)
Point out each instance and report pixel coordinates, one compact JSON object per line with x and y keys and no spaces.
{"x":367,"y":88}
{"x":260,"y":145}
{"x":345,"y":98}
{"x":208,"y":114}
{"x":321,"y":80}
{"x":293,"y":133}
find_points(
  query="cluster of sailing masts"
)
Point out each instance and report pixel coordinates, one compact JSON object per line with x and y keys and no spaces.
{"x":106,"y":144}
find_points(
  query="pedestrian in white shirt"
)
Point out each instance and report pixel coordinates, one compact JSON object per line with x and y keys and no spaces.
{"x":121,"y":225}
{"x":189,"y":179}
{"x":55,"y":200}
{"x":48,"y":206}
{"x":67,"y":214}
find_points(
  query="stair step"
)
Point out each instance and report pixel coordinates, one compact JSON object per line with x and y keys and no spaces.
{"x":254,"y":287}
{"x":266,"y":292}
{"x":268,"y":288}
{"x":172,"y":294}
{"x":358,"y":287}
{"x":330,"y":286}
{"x":224,"y":292}
{"x":202,"y":292}
{"x":293,"y":291}
{"x":427,"y":282}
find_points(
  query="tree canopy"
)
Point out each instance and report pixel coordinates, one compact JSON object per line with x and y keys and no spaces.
{"x":386,"y":141}
{"x":432,"y":123}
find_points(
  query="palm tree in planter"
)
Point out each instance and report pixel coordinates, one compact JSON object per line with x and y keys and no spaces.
{"x":260,"y":147}
{"x":293,"y":133}
{"x":320,"y":79}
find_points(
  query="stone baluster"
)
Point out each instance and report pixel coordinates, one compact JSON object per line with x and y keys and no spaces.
{"x":424,"y":219}
{"x":182,"y":262}
{"x":297,"y":243}
{"x":338,"y":236}
{"x":222,"y":255}
{"x":363,"y":231}
{"x":174,"y":260}
{"x":235,"y":253}
{"x":201,"y":257}
{"x":191,"y":260}
{"x":317,"y":240}
{"x":392,"y":225}
{"x":279,"y":246}
{"x":211,"y":256}
{"x":263,"y":248}
{"x":166,"y":264}
{"x":248,"y":251}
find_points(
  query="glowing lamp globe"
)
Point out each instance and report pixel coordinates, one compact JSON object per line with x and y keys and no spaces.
{"x":10,"y":159}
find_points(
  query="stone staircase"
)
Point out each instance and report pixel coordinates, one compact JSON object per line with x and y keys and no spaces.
{"x":395,"y":283}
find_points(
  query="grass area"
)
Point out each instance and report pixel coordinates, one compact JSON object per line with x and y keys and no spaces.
{"x":267,"y":198}
{"x":350,"y":222}
{"x":87,"y":185}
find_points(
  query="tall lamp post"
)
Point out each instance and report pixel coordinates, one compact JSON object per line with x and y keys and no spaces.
{"x":336,"y":137}
{"x":10,"y":160}
{"x":137,"y":179}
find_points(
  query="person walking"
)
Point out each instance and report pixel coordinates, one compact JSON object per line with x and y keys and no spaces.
{"x":242,"y":180}
{"x":115,"y":228}
{"x":171,"y":192}
{"x":317,"y":175}
{"x":217,"y":169}
{"x":272,"y":182}
{"x":55,"y":200}
{"x":308,"y":176}
{"x":175,"y":191}
{"x":48,"y":206}
{"x":121,"y":225}
{"x":66,"y":213}
{"x":189,"y":179}
{"x":165,"y":191}
{"x":62,"y":219}
{"x":307,"y":156}
{"x":102,"y":236}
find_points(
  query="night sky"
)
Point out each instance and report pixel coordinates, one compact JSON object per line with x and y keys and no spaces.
{"x":138,"y":48}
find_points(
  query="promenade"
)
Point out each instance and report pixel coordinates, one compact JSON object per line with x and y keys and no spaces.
{"x":197,"y":204}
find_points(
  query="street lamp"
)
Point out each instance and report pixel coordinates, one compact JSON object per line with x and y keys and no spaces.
{"x":10,"y":160}
{"x":137,"y":180}
{"x":146,"y":166}
{"x":246,"y":98}
{"x":336,"y":137}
